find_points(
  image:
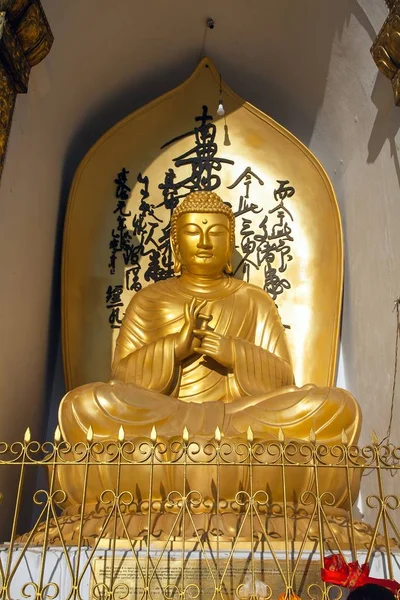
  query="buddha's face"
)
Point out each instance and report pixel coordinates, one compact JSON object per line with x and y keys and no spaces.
{"x":204,"y":244}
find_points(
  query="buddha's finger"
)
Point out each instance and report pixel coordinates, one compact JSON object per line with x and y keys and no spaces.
{"x":186,"y":310}
{"x":211,"y":353}
{"x":206,"y":351}
{"x":207,"y":340}
{"x":210,"y":342}
{"x":212,"y":335}
{"x":202,"y":333}
{"x":199,"y":307}
{"x":199,"y":333}
{"x":188,"y":314}
{"x":191,"y":310}
{"x":209,"y":347}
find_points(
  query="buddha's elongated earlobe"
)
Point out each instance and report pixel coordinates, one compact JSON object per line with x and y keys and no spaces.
{"x":177,"y":265}
{"x":228,"y":268}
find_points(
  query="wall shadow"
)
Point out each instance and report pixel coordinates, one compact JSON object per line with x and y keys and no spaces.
{"x":387,"y":123}
{"x":288,"y":84}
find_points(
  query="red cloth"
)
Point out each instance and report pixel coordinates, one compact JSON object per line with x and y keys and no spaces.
{"x":351,"y":575}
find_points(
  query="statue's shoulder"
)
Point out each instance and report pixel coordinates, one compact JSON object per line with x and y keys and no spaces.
{"x":154,"y":291}
{"x":255,"y":292}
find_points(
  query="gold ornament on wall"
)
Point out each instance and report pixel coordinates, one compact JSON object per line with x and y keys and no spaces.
{"x":386,"y":48}
{"x":25,"y":39}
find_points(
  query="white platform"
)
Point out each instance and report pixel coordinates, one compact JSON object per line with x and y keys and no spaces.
{"x":58,"y":573}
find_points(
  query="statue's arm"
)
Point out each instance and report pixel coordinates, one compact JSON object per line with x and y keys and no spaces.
{"x":145,"y":349}
{"x":256,"y":370}
{"x":152,"y":366}
{"x":263,"y":365}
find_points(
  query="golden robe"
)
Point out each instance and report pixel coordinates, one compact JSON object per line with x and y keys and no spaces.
{"x":150,"y":388}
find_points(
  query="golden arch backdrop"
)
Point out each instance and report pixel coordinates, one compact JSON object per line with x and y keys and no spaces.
{"x":288,"y":231}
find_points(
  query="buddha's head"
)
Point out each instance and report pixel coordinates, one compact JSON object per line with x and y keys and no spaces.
{"x":202,"y":235}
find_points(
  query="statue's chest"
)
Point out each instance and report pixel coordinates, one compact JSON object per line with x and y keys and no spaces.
{"x":228,"y":317}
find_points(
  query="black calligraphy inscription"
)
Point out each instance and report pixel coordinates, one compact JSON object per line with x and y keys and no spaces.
{"x":121,"y":238}
{"x":202,"y":158}
{"x":141,"y":241}
{"x":279,"y":239}
{"x":264,"y":242}
{"x":114,"y":304}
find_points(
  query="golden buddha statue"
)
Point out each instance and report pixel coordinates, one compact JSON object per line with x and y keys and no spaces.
{"x":203,"y":350}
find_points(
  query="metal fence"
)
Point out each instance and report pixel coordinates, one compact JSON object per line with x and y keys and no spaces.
{"x":194,"y":518}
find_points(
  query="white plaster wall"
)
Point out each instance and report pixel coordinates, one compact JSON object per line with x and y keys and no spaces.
{"x":356,"y":137}
{"x":305,"y":62}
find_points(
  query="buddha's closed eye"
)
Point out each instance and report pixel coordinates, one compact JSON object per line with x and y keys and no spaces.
{"x":191,"y":230}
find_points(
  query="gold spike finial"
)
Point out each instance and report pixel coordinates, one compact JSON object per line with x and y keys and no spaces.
{"x":281,"y":435}
{"x":312,"y":436}
{"x":121,"y":434}
{"x":89,"y":435}
{"x":57,"y":435}
{"x":153,"y":434}
{"x":250,"y":435}
{"x":345,"y":439}
{"x":27,"y":436}
{"x":185,"y":434}
{"x":217,"y":435}
{"x":375,"y":439}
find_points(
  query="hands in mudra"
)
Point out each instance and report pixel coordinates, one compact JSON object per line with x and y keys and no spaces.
{"x":192,"y":340}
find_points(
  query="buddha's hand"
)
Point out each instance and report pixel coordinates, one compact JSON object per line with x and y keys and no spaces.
{"x":185,"y":341}
{"x":218,"y":347}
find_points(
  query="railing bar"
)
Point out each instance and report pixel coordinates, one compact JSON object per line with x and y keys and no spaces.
{"x":303,"y":543}
{"x":131,"y":545}
{"x":117,"y":500}
{"x":25,"y":546}
{"x":96,"y":544}
{"x":88,"y":447}
{"x":271,"y":549}
{"x":48,"y":513}
{"x":148,"y":535}
{"x":285,"y":515}
{"x":168,"y":541}
{"x":15,"y":520}
{"x":384,"y":511}
{"x":319,"y":516}
{"x":202,"y":548}
{"x":218,"y":448}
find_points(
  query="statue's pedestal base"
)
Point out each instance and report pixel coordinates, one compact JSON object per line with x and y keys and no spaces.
{"x":205,"y":571}
{"x":277,"y":525}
